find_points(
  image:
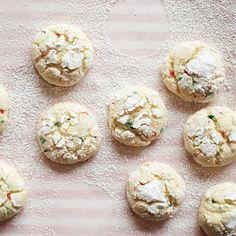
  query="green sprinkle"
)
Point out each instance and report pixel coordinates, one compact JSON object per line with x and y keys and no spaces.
{"x":95,"y":136}
{"x":179,"y":78}
{"x":212,"y":117}
{"x":44,"y":32}
{"x":68,"y":119}
{"x":82,"y":139}
{"x":2,"y":121}
{"x":209,"y":93}
{"x":57,"y":124}
{"x":194,"y":82}
{"x":213,"y":201}
{"x":130,"y":124}
{"x":42,"y":140}
{"x":161,"y":130}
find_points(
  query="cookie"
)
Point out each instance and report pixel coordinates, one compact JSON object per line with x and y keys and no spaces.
{"x":4,"y":106}
{"x":210,"y":136}
{"x":67,"y":133}
{"x":13,"y":195}
{"x":155,"y":191}
{"x":62,"y":54}
{"x":194,"y":71}
{"x":217,"y":212}
{"x":137,"y":116}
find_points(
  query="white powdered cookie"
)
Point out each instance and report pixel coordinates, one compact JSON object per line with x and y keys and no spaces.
{"x":193,"y":71}
{"x":67,"y":133}
{"x":12,"y":192}
{"x":137,"y":116}
{"x":217,"y":213}
{"x":62,"y":54}
{"x":155,"y":191}
{"x":210,"y":136}
{"x":4,"y":106}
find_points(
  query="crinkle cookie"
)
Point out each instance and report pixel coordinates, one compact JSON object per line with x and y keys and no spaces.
{"x":193,"y":71}
{"x":210,"y":136}
{"x":67,"y":133}
{"x":62,"y":54}
{"x":13,"y":195}
{"x":137,"y":116}
{"x":4,"y":104}
{"x":217,"y":213}
{"x":155,"y":191}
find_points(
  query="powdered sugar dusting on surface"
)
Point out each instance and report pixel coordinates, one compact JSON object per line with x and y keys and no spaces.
{"x":54,"y":191}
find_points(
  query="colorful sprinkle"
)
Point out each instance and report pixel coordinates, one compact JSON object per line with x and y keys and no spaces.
{"x":212,"y":117}
{"x":57,"y":124}
{"x":42,"y":140}
{"x":172,"y":73}
{"x":129,"y":124}
{"x":2,"y":111}
{"x":9,"y":196}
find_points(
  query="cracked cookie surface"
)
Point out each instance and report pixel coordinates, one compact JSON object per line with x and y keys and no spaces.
{"x":137,"y":116}
{"x":193,"y":71}
{"x":62,"y":54}
{"x":67,"y":133}
{"x":4,"y":106}
{"x":217,"y":212}
{"x":12,"y":192}
{"x":155,"y":191}
{"x":210,"y":136}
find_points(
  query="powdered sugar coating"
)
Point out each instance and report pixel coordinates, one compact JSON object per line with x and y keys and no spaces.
{"x":137,"y":116}
{"x":206,"y":20}
{"x":12,"y":192}
{"x":155,"y":191}
{"x":4,"y":106}
{"x":62,"y":54}
{"x":217,"y":213}
{"x":67,"y":133}
{"x":209,"y":136}
{"x":193,"y":71}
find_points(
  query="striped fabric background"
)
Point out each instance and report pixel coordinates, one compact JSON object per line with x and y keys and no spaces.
{"x":131,"y":39}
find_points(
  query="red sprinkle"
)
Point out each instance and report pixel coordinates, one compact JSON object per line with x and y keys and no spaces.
{"x":2,"y":111}
{"x":172,"y":74}
{"x":9,"y":196}
{"x":58,"y":35}
{"x":141,"y":183}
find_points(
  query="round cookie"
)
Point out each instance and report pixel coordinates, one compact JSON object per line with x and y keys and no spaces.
{"x":210,"y":136}
{"x":67,"y":133}
{"x":193,"y":71}
{"x":13,"y":195}
{"x":217,"y":213}
{"x":155,"y":191}
{"x":137,"y":116}
{"x":62,"y":54}
{"x":4,"y":106}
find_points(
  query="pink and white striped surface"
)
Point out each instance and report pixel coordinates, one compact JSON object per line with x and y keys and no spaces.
{"x":131,"y":39}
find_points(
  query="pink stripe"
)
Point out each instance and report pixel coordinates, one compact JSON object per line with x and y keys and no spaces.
{"x":144,"y":3}
{"x":68,"y":194}
{"x":139,"y":51}
{"x":75,"y":211}
{"x":140,"y":36}
{"x":142,"y":18}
